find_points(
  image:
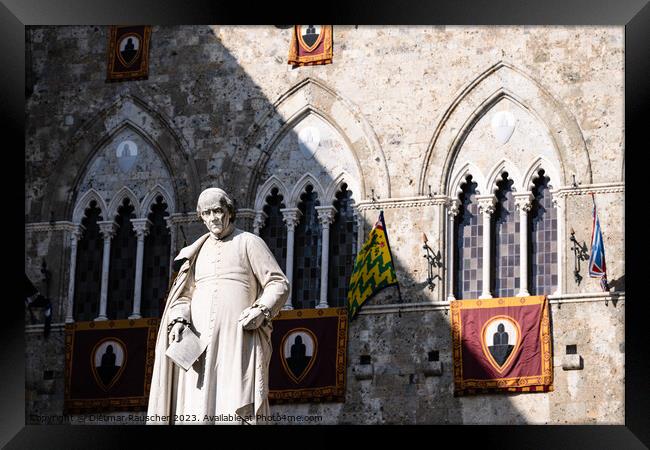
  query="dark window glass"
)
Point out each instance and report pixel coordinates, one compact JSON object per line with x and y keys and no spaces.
{"x":505,"y":241}
{"x":155,"y":263}
{"x":122,"y":266}
{"x":274,"y":231}
{"x":307,"y":253}
{"x":88,"y":272}
{"x":542,"y":269}
{"x":343,"y":248}
{"x":469,"y":244}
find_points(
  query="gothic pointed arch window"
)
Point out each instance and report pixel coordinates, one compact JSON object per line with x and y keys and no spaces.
{"x":274,"y":232}
{"x":469,"y":243}
{"x":542,"y":245}
{"x":155,"y":274}
{"x":342,"y":247}
{"x":307,"y":254}
{"x":89,"y":266}
{"x":504,"y":242}
{"x":121,"y":279}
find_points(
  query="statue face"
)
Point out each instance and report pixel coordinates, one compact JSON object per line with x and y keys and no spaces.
{"x":215,"y":216}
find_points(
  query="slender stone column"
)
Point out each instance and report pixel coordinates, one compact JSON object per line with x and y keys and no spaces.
{"x":141,"y":227}
{"x":75,"y":235}
{"x":291,"y":217}
{"x":325,"y":217}
{"x":486,"y":207}
{"x":260,"y":220}
{"x":452,"y":212}
{"x":171,"y":226}
{"x":108,"y":228}
{"x":358,"y":216}
{"x":523,"y":204}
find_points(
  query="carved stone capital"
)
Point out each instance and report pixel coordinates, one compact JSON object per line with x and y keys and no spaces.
{"x":326,"y":215}
{"x":259,"y":221}
{"x":523,"y":202}
{"x":75,"y":233}
{"x":291,"y":216}
{"x":453,"y":208}
{"x":486,"y":204}
{"x":141,"y":227}
{"x":108,"y":228}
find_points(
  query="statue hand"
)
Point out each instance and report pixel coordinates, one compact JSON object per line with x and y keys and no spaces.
{"x":251,"y":318}
{"x":176,"y":331}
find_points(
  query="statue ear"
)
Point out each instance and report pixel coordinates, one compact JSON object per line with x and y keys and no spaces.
{"x":178,"y":263}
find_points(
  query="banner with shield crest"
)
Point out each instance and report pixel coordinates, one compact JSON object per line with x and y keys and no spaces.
{"x":109,"y":365}
{"x":128,"y":53}
{"x":311,"y":45}
{"x":309,"y":355}
{"x":502,"y":344}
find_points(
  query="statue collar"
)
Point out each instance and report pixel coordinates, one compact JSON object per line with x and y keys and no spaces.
{"x":190,"y":250}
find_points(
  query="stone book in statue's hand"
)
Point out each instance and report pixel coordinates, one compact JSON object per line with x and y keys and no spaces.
{"x":186,"y":351}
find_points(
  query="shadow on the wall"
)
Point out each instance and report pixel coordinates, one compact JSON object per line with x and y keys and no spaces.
{"x":237,"y":138}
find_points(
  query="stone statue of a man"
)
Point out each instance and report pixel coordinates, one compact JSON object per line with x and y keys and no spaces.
{"x":227,"y":290}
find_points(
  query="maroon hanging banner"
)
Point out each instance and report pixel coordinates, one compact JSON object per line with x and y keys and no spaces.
{"x":309,"y":355}
{"x":109,"y":365}
{"x":311,"y":45}
{"x":128,"y":53}
{"x":502,"y":344}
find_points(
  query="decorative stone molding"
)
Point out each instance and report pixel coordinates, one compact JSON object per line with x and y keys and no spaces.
{"x":586,"y":189}
{"x":403,"y":308}
{"x":404,"y":202}
{"x":326,"y":215}
{"x":141,"y":227}
{"x":108,"y":228}
{"x":453,"y":207}
{"x":47,"y":227}
{"x":183,"y":218}
{"x":259,"y":221}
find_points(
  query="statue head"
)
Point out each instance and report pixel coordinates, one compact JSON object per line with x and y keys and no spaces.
{"x":501,"y":328}
{"x":216,"y":209}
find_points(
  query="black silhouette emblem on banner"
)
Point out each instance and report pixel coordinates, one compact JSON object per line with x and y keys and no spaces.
{"x":299,"y":348}
{"x":108,"y":360}
{"x":128,"y":49}
{"x":310,"y":36}
{"x":501,"y":337}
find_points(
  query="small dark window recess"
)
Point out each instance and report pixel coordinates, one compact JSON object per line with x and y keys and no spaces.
{"x":572,"y":349}
{"x":434,"y":355}
{"x":48,"y":375}
{"x":364,"y":359}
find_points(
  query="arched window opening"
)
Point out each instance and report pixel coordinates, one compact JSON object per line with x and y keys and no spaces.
{"x":88,"y":274}
{"x":155,"y":276}
{"x":122,"y":266}
{"x":469,"y":243}
{"x":307,"y":253}
{"x":342,"y":247}
{"x":543,"y":239}
{"x":274,"y":232}
{"x":504,"y":244}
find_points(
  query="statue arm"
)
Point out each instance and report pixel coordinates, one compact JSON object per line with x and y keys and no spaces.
{"x":274,"y":284}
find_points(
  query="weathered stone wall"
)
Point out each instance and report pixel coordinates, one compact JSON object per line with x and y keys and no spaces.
{"x":399,"y":110}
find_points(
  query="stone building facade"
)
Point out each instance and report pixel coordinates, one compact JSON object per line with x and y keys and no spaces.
{"x":402,"y":117}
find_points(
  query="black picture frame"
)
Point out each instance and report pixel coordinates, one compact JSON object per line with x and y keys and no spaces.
{"x":633,"y":14}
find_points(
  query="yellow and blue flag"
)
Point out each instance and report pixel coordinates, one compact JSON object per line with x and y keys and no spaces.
{"x":373,"y":268}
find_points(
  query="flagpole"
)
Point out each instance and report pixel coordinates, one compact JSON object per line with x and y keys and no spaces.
{"x":383,"y":224}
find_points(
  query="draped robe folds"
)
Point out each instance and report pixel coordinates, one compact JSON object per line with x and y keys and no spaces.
{"x":231,"y":376}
